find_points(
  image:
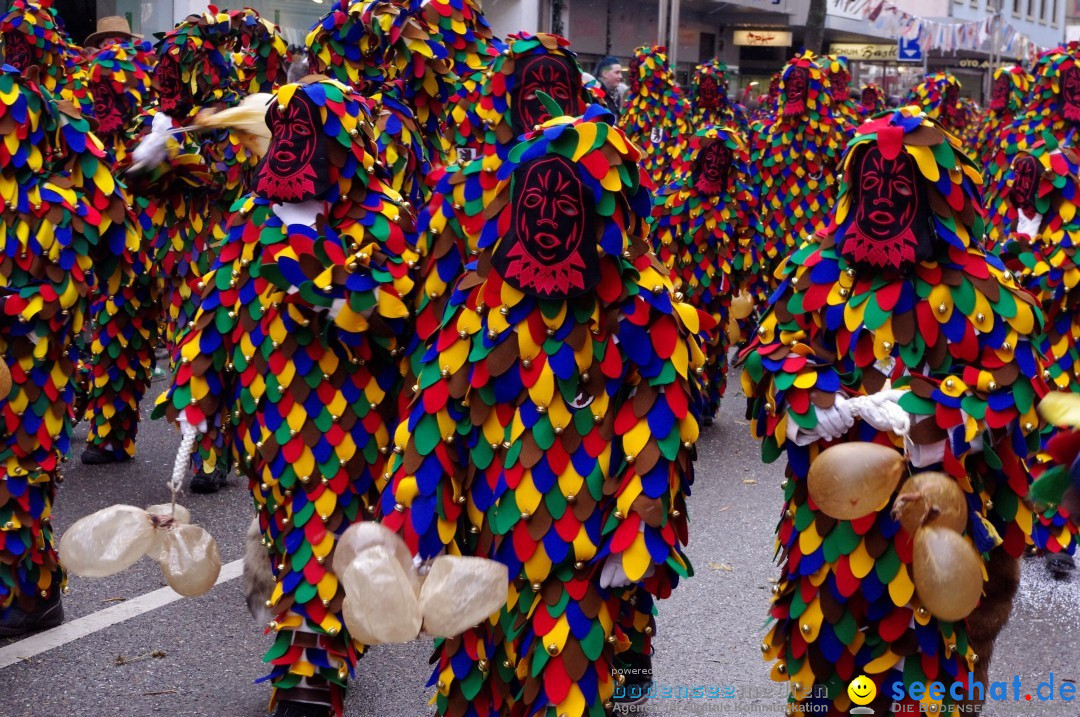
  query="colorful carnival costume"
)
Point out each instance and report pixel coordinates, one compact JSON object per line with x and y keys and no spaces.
{"x":508,"y":105}
{"x":938,"y":95}
{"x":124,"y":316}
{"x":404,"y":72}
{"x":554,"y":429}
{"x":871,"y":100}
{"x":1007,"y":96}
{"x":836,"y":68}
{"x":33,"y":36}
{"x":461,"y":28}
{"x":767,"y":105}
{"x":795,"y":158}
{"x":34,"y":41}
{"x":896,"y":303}
{"x":1053,"y":111}
{"x":1056,"y":491}
{"x":1040,"y":252}
{"x":65,"y":224}
{"x":655,"y":116}
{"x":709,"y":96}
{"x":291,"y":354}
{"x":259,"y":52}
{"x":707,"y":233}
{"x":185,"y":189}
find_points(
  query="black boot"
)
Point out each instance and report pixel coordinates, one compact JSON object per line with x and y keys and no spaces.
{"x":208,"y":482}
{"x":636,"y":670}
{"x":47,"y":613}
{"x":287,"y":708}
{"x":1060,"y":565}
{"x":97,"y":456}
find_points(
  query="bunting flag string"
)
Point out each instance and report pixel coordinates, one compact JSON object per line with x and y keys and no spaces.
{"x":889,"y":19}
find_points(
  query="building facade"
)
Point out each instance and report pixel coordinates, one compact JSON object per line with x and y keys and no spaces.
{"x":754,"y":37}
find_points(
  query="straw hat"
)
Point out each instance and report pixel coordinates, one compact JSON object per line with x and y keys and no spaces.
{"x":110,"y":27}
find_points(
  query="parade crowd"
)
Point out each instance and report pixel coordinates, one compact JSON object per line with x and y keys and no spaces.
{"x":418,"y":278}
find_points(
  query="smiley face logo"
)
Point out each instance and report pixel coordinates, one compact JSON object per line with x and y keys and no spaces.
{"x":862,"y":690}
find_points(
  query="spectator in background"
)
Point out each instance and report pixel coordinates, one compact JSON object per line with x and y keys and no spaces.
{"x":609,"y":73}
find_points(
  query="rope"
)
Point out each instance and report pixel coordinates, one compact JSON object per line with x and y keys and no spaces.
{"x":881,"y":411}
{"x":183,"y":459}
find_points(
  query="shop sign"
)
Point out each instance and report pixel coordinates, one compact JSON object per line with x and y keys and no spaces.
{"x":763,"y":38}
{"x":863,"y":51}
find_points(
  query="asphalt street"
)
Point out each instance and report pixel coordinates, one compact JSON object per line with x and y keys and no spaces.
{"x":201,"y":656}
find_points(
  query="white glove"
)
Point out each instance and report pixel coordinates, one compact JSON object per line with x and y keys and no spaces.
{"x":612,"y":574}
{"x":183,"y":421}
{"x":153,"y":149}
{"x":833,"y":422}
{"x":1028,"y":225}
{"x":302,"y":213}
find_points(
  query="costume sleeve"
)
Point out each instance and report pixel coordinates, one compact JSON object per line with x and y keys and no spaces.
{"x":425,"y":496}
{"x":783,"y":378}
{"x":202,"y":382}
{"x":656,"y":427}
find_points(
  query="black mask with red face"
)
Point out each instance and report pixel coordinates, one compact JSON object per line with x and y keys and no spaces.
{"x":891,"y":226}
{"x":869,"y":100}
{"x":709,"y":93}
{"x":17,"y":50}
{"x":295,"y":168}
{"x":175,"y":96}
{"x":713,"y":167}
{"x":107,"y":108}
{"x":953,"y":111}
{"x":999,"y":93}
{"x":1025,"y":186}
{"x":1070,"y":93}
{"x":550,"y":249}
{"x":550,"y":74}
{"x":838,"y":84}
{"x":796,"y":85}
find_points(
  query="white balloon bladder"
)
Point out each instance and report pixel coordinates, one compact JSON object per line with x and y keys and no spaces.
{"x":388,"y":600}
{"x":114,"y":538}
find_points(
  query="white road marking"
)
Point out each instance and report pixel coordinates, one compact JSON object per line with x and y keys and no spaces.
{"x":89,"y":624}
